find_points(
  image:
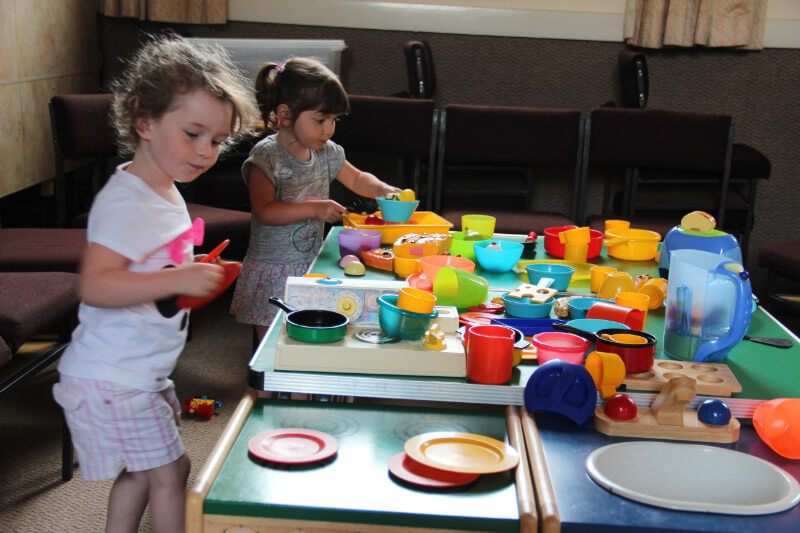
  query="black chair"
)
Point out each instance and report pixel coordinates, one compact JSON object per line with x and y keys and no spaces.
{"x":782,"y":261}
{"x":748,"y":164}
{"x":82,"y":136}
{"x":402,"y":128}
{"x":33,"y":304}
{"x":685,"y":157}
{"x":511,"y":163}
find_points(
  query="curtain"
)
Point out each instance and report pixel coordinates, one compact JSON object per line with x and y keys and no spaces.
{"x":179,"y":11}
{"x":714,"y":23}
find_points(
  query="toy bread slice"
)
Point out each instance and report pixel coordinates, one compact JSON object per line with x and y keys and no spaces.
{"x":380,"y":258}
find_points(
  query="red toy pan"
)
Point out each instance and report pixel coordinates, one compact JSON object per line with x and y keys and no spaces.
{"x":231,"y":273}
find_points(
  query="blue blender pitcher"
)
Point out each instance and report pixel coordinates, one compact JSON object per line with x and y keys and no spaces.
{"x":709,"y":301}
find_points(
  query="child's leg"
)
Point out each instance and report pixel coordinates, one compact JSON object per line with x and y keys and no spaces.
{"x":168,"y":495}
{"x":126,"y":502}
{"x":164,"y":487}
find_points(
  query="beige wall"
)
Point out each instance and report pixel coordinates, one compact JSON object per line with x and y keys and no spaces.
{"x":48,"y":47}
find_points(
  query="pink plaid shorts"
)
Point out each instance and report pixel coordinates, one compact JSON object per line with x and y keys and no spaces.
{"x":115,"y":427}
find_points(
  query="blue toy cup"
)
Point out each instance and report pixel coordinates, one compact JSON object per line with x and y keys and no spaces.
{"x":561,"y":274}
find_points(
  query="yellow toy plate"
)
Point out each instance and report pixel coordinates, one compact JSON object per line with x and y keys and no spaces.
{"x":461,"y":452}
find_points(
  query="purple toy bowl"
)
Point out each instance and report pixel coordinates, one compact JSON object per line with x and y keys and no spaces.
{"x":353,"y":241}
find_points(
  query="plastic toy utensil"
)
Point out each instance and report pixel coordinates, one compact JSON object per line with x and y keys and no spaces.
{"x":607,"y":371}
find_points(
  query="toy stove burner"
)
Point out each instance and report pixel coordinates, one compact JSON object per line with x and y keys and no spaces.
{"x":375,"y":336}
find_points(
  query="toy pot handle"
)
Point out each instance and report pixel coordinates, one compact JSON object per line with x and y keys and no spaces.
{"x":741,"y":312}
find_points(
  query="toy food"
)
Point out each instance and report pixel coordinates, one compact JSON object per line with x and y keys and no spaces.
{"x":380,"y":258}
{"x":414,"y":245}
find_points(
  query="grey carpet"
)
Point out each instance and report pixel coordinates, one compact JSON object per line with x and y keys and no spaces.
{"x":33,"y":498}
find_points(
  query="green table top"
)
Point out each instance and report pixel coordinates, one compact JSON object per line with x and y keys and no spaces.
{"x":764,"y":372}
{"x":355,"y":485}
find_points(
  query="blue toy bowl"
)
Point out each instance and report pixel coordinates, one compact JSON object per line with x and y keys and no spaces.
{"x":400,"y":323}
{"x":593,"y":325}
{"x":578,"y":307}
{"x":524,"y":308}
{"x":500,"y":259}
{"x":396,"y":210}
{"x":561,"y":274}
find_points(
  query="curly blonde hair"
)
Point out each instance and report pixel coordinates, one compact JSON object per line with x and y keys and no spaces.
{"x":166,"y":68}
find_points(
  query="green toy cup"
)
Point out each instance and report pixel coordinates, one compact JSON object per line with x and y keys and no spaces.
{"x":483,"y":224}
{"x":459,"y":246}
{"x":459,"y":288}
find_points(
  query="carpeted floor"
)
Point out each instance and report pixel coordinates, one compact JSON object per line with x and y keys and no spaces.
{"x":33,"y":498}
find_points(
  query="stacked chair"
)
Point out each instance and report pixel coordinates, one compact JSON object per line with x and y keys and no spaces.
{"x":782,"y":261}
{"x":538,"y":148}
{"x":692,"y":149}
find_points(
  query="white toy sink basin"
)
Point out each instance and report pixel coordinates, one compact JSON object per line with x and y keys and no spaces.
{"x":692,"y":477}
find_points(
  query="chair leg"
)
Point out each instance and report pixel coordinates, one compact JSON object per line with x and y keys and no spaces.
{"x":66,"y":450}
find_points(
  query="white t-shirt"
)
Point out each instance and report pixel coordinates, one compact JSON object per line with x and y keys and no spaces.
{"x":136,"y":346}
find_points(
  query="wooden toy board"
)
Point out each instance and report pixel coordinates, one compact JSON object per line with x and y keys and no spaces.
{"x":713,"y":379}
{"x":645,"y":425}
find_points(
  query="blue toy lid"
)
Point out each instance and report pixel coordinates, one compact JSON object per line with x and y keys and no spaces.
{"x":563,"y":389}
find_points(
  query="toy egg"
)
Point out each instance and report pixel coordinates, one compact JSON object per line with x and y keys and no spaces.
{"x":714,"y":412}
{"x":620,"y":407}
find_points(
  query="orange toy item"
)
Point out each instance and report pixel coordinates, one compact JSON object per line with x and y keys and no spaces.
{"x":777,"y":422}
{"x":380,"y":258}
{"x":415,"y":245}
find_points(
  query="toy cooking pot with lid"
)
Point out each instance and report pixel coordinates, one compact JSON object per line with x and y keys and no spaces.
{"x":313,"y":325}
{"x":632,"y":244}
{"x":637,"y":349}
{"x":709,"y":302}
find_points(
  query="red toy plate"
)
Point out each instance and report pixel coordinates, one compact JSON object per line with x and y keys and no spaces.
{"x":231,"y":268}
{"x":293,"y":445}
{"x":407,"y":469}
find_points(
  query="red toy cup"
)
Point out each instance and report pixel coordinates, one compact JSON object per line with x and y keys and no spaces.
{"x":633,"y":318}
{"x":490,"y":354}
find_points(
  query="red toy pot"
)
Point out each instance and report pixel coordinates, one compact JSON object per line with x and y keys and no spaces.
{"x":554,"y":247}
{"x":638,"y":357}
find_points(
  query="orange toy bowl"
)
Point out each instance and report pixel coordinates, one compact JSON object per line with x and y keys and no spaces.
{"x":432,"y":263}
{"x":632,"y":244}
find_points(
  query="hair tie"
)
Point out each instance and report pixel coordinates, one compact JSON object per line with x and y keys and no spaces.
{"x":279,"y":67}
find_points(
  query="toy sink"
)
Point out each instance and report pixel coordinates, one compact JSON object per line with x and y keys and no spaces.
{"x":420,"y":222}
{"x":692,"y":477}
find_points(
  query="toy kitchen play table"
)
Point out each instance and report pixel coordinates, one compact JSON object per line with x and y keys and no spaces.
{"x":566,"y":498}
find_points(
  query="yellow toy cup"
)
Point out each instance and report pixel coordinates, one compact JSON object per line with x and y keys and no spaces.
{"x":483,"y":224}
{"x":459,"y":288}
{"x":634,"y":300}
{"x":597,"y":274}
{"x":576,"y":243}
{"x":656,"y":290}
{"x":613,"y":224}
{"x":615,"y":282}
{"x":416,"y":300}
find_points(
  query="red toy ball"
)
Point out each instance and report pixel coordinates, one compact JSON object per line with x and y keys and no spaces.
{"x":620,"y":407}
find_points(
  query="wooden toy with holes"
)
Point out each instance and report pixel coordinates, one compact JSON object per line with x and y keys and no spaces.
{"x":713,"y":379}
{"x":668,"y":418}
{"x":537,"y":293}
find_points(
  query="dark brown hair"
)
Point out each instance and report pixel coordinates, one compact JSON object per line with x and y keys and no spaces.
{"x":301,"y":83}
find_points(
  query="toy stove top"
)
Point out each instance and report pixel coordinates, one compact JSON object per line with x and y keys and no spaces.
{"x":368,"y":350}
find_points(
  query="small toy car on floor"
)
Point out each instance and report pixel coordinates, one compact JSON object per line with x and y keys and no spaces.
{"x":202,"y":406}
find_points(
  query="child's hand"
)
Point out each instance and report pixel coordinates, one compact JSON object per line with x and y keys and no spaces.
{"x":200,"y":279}
{"x":385,"y":189}
{"x":329,"y":210}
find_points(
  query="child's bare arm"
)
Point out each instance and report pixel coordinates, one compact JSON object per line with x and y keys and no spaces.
{"x":106,"y":281}
{"x":363,"y":183}
{"x":270,"y":211}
